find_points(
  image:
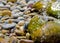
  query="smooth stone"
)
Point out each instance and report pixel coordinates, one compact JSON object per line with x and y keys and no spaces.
{"x":15,"y":15}
{"x":5,"y":31}
{"x":18,"y":14}
{"x":21,"y":23}
{"x":26,"y":26}
{"x":7,"y":6}
{"x":26,"y":16}
{"x":15,"y":11}
{"x":22,"y":9}
{"x":18,"y":6}
{"x":1,"y":4}
{"x":22,"y":1}
{"x":20,"y":18}
{"x":13,"y":7}
{"x":5,"y":18}
{"x":16,"y":20}
{"x":8,"y":26}
{"x":0,"y":17}
{"x":27,"y":1}
{"x":21,"y":14}
{"x":6,"y":13}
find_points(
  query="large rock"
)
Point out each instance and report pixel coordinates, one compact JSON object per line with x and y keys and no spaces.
{"x":53,"y":9}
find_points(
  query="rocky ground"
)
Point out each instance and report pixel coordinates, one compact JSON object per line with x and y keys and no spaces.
{"x":15,"y":15}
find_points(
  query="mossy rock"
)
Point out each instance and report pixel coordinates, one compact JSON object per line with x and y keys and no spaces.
{"x":52,"y":12}
{"x":35,"y":23}
{"x":51,"y":33}
{"x":38,"y":5}
{"x":52,"y":28}
{"x":34,"y":27}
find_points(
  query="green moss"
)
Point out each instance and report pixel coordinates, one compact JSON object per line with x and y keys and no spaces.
{"x":35,"y":23}
{"x":51,"y":12}
{"x":35,"y":26}
{"x":38,"y":5}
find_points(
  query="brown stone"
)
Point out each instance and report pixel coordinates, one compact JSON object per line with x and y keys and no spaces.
{"x":6,"y":13}
{"x":4,"y":31}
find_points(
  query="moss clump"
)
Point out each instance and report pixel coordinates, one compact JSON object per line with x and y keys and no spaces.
{"x":34,"y":27}
{"x":38,"y":5}
{"x":51,"y":12}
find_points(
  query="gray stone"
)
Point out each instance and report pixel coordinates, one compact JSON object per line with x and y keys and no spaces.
{"x":20,"y":18}
{"x":8,"y":26}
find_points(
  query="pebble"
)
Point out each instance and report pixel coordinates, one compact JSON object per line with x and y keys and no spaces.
{"x":20,"y":18}
{"x":0,"y":17}
{"x":21,"y":23}
{"x":8,"y":26}
{"x":1,"y":4}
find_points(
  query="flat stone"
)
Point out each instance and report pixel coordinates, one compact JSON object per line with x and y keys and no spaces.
{"x":20,"y":18}
{"x":16,"y":20}
{"x":26,"y":41}
{"x":8,"y":26}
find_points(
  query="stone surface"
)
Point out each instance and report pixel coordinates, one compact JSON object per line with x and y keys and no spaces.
{"x":8,"y":26}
